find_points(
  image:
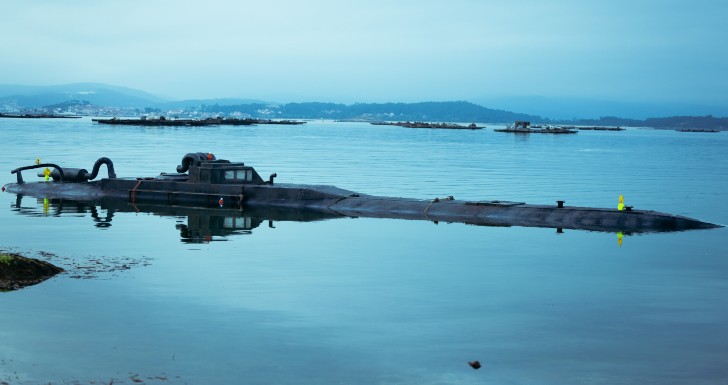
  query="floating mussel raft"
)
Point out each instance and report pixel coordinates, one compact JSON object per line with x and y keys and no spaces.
{"x":165,"y":122}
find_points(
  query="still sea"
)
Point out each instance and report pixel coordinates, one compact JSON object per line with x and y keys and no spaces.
{"x":161,"y":298}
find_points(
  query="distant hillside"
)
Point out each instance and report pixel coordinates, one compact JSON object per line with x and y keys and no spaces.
{"x":571,"y":108}
{"x":677,"y":122}
{"x":94,"y":93}
{"x":708,"y":122}
{"x":105,"y":95}
{"x":108,"y":99}
{"x":194,"y":103}
{"x":425,"y":111}
{"x":68,"y":104}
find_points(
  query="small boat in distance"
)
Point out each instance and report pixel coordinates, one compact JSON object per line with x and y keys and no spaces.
{"x":524,"y":127}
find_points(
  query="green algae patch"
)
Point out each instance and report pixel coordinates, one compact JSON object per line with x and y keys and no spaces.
{"x":17,"y":272}
{"x":5,"y":259}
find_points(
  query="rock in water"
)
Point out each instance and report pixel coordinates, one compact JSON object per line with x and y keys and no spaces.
{"x":17,"y":272}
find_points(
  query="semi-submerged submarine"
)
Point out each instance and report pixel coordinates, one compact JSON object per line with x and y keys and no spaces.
{"x":204,"y":181}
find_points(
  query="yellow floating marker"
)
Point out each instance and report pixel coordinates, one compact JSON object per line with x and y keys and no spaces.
{"x":37,"y":160}
{"x":620,"y":206}
{"x":47,"y":173}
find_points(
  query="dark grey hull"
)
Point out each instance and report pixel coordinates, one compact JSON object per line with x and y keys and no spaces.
{"x":335,"y":201}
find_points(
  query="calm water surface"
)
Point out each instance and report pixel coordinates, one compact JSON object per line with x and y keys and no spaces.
{"x":163,"y":299}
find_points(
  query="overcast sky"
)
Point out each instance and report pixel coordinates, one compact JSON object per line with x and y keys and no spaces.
{"x":374,"y":50}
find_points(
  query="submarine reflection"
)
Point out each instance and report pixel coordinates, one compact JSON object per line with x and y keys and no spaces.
{"x":203,"y":225}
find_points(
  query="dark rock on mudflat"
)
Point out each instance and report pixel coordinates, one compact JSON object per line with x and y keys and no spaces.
{"x":17,"y":272}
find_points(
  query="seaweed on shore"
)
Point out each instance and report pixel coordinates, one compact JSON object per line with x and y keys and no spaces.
{"x":17,"y":272}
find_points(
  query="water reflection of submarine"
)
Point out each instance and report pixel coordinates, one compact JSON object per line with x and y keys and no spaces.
{"x":201,"y":224}
{"x":202,"y":228}
{"x":58,"y":207}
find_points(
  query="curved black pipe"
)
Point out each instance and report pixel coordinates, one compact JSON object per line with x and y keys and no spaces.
{"x":193,"y":158}
{"x":109,"y":167}
{"x":187,"y":160}
{"x":20,"y":176}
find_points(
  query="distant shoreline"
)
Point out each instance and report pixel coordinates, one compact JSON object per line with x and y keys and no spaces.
{"x":452,"y":112}
{"x":682,"y":126}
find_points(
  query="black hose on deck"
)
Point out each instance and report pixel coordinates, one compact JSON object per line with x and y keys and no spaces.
{"x":19,"y":175}
{"x":109,"y":167}
{"x":187,"y":160}
{"x":193,"y":159}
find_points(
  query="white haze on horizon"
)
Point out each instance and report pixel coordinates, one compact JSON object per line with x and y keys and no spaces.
{"x":643,"y":51}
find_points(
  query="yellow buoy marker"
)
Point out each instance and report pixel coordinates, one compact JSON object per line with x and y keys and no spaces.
{"x":37,"y":160}
{"x":47,"y":173}
{"x":620,"y":206}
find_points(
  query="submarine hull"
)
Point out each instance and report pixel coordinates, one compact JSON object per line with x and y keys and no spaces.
{"x":342,"y":202}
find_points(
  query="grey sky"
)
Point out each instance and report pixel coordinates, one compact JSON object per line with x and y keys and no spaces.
{"x":374,"y":50}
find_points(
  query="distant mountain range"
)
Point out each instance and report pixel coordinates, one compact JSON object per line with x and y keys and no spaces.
{"x":98,"y":94}
{"x":18,"y":98}
{"x":424,"y":111}
{"x":570,"y":108}
{"x":94,"y":93}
